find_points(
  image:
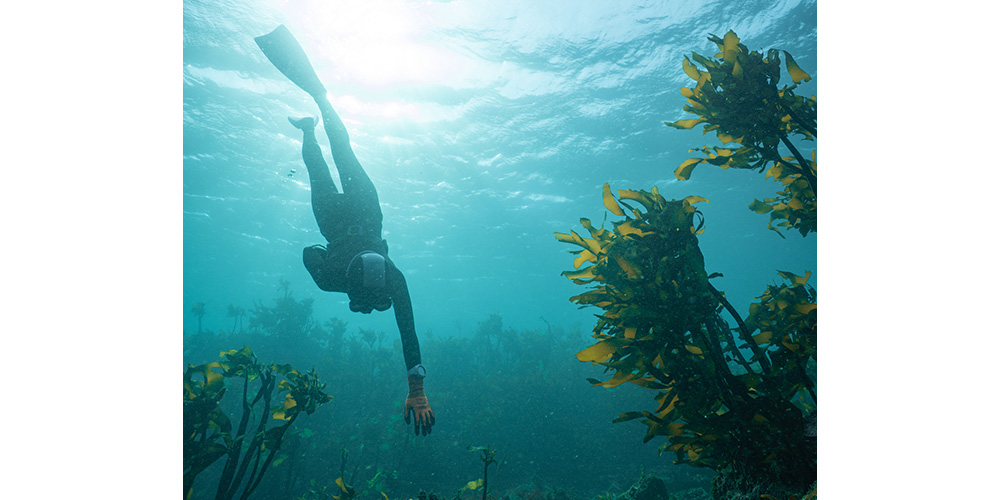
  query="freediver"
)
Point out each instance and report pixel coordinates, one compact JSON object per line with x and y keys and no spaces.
{"x":355,"y":260}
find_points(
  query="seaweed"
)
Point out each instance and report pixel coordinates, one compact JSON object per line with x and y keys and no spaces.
{"x":661,"y":329}
{"x":208,"y":431}
{"x":488,"y":457}
{"x":740,"y":401}
{"x":198,"y":311}
{"x":737,"y":97}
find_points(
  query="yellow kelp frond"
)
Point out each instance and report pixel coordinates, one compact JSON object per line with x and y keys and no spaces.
{"x":587,"y":243}
{"x":805,"y":308}
{"x":685,"y":124}
{"x":777,"y":172}
{"x":690,"y":70}
{"x":240,"y":355}
{"x":737,"y":70}
{"x":600,"y":352}
{"x":726,"y":139}
{"x":583,"y":275}
{"x":798,"y":280}
{"x":585,"y":256}
{"x":694,"y":199}
{"x":760,"y":207}
{"x":693,"y":350}
{"x":683,"y":172}
{"x":595,"y":233}
{"x":205,"y":393}
{"x":568,"y":238}
{"x":667,"y":405}
{"x":628,"y":227}
{"x":282,"y":414}
{"x":647,"y":199}
{"x":348,"y":491}
{"x":214,"y":378}
{"x":595,"y":296}
{"x":794,"y":70}
{"x":610,"y":203}
{"x":619,"y":378}
{"x":730,"y":47}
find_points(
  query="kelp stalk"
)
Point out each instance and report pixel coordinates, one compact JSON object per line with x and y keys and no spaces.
{"x":244,"y":465}
{"x":803,"y":166}
{"x":744,"y":332}
{"x":488,"y":457}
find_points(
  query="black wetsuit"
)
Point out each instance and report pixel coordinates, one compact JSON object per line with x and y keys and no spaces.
{"x":351,"y":222}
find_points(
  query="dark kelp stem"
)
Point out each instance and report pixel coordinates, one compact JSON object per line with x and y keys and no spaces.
{"x":267,"y":385}
{"x":486,"y":468}
{"x":232,"y":461}
{"x":744,"y":331}
{"x":267,"y":462}
{"x":488,"y":457}
{"x":722,"y":330}
{"x":803,"y":165}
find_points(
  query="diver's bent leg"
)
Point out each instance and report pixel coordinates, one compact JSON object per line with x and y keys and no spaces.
{"x":352,"y":176}
{"x":323,"y":190}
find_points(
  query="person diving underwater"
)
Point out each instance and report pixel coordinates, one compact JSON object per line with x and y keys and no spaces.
{"x":355,"y":260}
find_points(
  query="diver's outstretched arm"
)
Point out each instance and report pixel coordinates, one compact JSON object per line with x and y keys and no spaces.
{"x":416,"y":406}
{"x":403,"y":309}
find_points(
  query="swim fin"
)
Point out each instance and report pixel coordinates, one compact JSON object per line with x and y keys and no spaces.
{"x":285,"y":53}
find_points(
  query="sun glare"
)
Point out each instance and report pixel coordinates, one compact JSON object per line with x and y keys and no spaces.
{"x":374,"y":42}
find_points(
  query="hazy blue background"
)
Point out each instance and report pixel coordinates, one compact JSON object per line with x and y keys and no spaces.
{"x":485,"y":126}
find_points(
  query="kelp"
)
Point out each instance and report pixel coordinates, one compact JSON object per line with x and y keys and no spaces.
{"x":208,"y":431}
{"x":319,"y":491}
{"x":727,"y":399}
{"x":487,"y":456}
{"x":736,"y":95}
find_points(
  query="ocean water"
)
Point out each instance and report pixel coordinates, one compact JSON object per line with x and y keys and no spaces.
{"x":486,"y":127}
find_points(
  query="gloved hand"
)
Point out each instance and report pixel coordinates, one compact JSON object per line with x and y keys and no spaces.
{"x":417,"y":405}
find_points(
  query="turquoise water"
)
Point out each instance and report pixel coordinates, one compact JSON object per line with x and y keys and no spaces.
{"x":486,"y":127}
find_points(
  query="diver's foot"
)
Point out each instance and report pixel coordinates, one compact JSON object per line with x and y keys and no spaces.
{"x":307,"y":123}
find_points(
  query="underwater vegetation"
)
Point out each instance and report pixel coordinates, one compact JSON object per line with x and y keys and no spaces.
{"x":740,"y":401}
{"x":522,"y":391}
{"x":208,"y":431}
{"x":488,"y":457}
{"x":342,"y":491}
{"x":737,"y":97}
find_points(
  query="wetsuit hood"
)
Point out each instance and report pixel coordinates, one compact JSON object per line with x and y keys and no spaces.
{"x":366,"y":276}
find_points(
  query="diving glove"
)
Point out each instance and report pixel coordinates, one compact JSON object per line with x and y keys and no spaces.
{"x":417,"y":405}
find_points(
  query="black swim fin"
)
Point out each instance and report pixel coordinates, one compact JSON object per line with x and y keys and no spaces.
{"x":285,"y":53}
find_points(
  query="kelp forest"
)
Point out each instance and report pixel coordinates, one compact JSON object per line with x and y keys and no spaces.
{"x":672,"y":393}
